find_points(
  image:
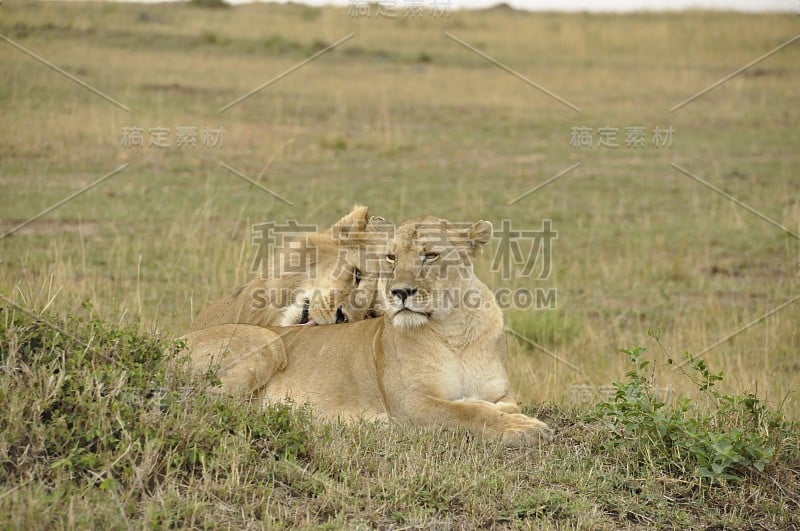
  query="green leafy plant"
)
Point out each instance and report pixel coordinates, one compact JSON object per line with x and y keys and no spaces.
{"x":718,"y":446}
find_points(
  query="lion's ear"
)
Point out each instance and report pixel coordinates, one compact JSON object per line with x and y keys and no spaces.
{"x":379,"y":229}
{"x":479,"y":235}
{"x":352,"y":223}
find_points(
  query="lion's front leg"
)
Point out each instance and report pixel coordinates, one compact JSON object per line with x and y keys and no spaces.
{"x":501,"y":419}
{"x":245,"y":356}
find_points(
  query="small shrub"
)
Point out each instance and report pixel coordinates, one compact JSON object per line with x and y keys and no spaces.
{"x":209,"y":3}
{"x":721,"y":446}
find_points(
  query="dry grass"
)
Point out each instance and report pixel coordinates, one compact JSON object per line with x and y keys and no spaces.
{"x":409,"y":122}
{"x":96,"y":434}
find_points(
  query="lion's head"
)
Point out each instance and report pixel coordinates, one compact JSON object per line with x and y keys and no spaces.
{"x":311,"y":278}
{"x":428,"y":270}
{"x":339,"y":281}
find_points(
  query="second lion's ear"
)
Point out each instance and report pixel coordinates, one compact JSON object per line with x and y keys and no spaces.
{"x":479,"y":235}
{"x":352,"y":223}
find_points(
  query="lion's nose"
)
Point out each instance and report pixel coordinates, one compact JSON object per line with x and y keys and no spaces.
{"x":403,"y":293}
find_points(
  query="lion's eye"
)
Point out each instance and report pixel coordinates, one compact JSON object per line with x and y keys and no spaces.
{"x":357,"y":276}
{"x":430,"y":257}
{"x":390,"y":258}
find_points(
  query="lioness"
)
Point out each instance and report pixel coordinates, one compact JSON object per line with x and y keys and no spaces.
{"x":337,"y":283}
{"x":438,"y":355}
{"x":329,"y":286}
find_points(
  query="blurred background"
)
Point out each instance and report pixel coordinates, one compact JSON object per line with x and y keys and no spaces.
{"x":587,"y":5}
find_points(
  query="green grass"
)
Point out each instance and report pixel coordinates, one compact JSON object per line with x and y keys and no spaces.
{"x":409,"y":122}
{"x":102,"y":427}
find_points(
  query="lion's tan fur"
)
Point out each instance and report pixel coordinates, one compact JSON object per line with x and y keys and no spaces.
{"x":324,"y":283}
{"x":424,"y":361}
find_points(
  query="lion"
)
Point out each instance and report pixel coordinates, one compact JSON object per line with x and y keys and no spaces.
{"x":328,"y":285}
{"x":336,"y":284}
{"x":437,"y":356}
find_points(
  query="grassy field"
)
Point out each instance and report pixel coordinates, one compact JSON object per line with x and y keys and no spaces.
{"x":407,"y":120}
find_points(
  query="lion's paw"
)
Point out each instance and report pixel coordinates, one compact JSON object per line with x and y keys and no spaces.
{"x":522,"y":430}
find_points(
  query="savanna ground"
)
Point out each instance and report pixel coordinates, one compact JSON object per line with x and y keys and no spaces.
{"x":405,"y":119}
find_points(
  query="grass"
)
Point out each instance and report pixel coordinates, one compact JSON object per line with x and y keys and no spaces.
{"x":102,"y":427}
{"x":409,"y":122}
